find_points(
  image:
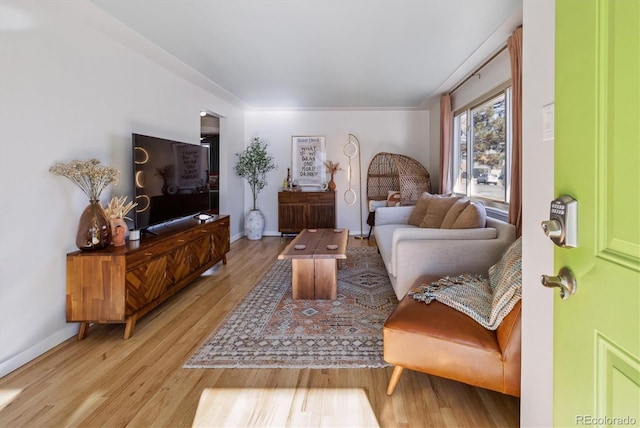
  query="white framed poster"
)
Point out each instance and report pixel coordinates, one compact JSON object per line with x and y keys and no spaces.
{"x":307,"y":159}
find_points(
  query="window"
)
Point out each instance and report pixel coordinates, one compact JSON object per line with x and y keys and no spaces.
{"x":482,"y":150}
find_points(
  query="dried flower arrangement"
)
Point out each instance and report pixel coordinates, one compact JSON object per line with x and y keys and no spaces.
{"x":117,"y":208}
{"x":89,"y":175}
{"x":332,"y":167}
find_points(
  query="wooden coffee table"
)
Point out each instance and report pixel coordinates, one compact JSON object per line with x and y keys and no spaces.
{"x":314,"y":255}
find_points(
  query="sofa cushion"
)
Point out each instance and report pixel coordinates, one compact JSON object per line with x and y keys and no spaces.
{"x":437,"y":209}
{"x":473,"y":216}
{"x":453,"y":213}
{"x":420,"y":210}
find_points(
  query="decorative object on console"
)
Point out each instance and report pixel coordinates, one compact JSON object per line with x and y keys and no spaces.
{"x":94,"y":231}
{"x":332,"y":168}
{"x":116,"y":212}
{"x":253,"y":164}
{"x":117,"y":233}
{"x":350,"y":149}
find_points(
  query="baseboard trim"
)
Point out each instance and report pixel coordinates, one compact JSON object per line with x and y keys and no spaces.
{"x":48,"y":343}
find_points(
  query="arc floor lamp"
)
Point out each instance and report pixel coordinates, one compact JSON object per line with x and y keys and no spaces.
{"x":351,"y":149}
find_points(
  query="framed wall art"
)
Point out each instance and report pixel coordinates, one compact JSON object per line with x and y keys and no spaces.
{"x":307,"y":160}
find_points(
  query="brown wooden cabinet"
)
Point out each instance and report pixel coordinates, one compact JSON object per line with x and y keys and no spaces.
{"x":305,"y":210}
{"x":121,"y":284}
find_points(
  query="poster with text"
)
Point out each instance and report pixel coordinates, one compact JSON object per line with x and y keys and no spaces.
{"x":191,"y":163}
{"x":308,"y":160}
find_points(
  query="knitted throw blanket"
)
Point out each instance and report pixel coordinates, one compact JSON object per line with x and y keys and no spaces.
{"x":487,"y":301}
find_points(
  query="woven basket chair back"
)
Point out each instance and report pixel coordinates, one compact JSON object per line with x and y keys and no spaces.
{"x":393,"y":172}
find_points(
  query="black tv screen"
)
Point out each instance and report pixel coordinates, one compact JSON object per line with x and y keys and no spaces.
{"x":171,"y":180}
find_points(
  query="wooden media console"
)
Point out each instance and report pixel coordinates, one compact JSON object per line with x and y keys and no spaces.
{"x":121,"y":284}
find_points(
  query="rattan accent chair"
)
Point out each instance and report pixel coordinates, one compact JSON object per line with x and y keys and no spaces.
{"x":394,"y":172}
{"x":391,"y":171}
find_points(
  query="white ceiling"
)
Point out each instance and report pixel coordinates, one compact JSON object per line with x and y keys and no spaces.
{"x":318,"y":54}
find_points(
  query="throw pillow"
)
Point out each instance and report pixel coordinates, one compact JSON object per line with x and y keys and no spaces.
{"x":373,"y":204}
{"x":453,"y":213}
{"x":505,"y":279}
{"x":393,"y":198}
{"x":472,"y":217}
{"x":420,"y":210}
{"x":437,"y":209}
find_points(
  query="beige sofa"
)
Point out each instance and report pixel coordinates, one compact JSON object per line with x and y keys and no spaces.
{"x":410,"y":251}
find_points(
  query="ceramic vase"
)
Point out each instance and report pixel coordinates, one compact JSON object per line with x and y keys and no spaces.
{"x":332,"y":184}
{"x":94,"y":230}
{"x":254,"y":225}
{"x":119,"y":231}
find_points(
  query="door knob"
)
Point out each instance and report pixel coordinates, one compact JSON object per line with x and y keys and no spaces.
{"x":565,"y":281}
{"x":552,"y":228}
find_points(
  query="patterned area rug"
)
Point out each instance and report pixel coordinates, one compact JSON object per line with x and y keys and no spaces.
{"x":268,"y":329}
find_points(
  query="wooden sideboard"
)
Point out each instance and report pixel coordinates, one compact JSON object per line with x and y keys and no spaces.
{"x":306,"y":210}
{"x":121,"y":284}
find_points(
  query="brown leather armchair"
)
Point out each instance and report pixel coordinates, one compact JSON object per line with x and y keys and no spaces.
{"x":439,"y":340}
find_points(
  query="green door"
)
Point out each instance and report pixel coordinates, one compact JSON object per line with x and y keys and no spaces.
{"x":597,"y":161}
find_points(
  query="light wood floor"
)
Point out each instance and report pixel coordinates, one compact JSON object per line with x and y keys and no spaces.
{"x":107,"y":381}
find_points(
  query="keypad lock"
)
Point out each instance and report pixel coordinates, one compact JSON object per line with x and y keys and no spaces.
{"x":562,"y":226}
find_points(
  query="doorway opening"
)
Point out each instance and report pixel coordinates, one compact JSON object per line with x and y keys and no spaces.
{"x":210,"y":137}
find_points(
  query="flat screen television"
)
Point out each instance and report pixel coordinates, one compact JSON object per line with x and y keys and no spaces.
{"x":171,"y":180}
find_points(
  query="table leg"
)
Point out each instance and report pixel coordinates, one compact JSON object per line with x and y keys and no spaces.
{"x":83,"y":330}
{"x":302,"y":280}
{"x":326,"y":273}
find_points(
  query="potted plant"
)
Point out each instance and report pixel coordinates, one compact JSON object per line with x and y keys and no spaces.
{"x":253,"y":164}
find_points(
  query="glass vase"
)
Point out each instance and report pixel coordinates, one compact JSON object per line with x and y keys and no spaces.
{"x":94,"y":231}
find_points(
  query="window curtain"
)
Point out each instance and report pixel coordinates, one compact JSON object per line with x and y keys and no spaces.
{"x":445,"y":144}
{"x":514,"y":44}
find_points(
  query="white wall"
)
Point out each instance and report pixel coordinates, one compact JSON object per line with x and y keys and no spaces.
{"x":75,"y":84}
{"x":396,"y":131}
{"x":538,"y":184}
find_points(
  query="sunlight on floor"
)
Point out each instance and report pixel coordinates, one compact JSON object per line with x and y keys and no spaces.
{"x":7,"y":396}
{"x":89,"y":404}
{"x":213,"y":270}
{"x":284,"y":407}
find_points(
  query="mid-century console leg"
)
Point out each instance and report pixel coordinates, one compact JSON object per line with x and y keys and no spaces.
{"x":224,"y":259}
{"x":395,"y":377}
{"x":84,"y":329}
{"x":131,"y":324}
